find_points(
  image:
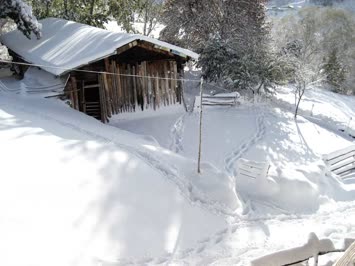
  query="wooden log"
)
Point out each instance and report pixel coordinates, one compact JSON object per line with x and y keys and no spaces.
{"x":134,"y":79}
{"x":129,"y":88}
{"x":166,"y":83}
{"x":119,"y":84}
{"x":123,"y":84}
{"x":174,"y":82}
{"x":103,"y":113}
{"x":114,"y":88}
{"x":107,"y":96}
{"x":157,"y":92}
{"x":140,"y":86}
{"x":108,"y":86}
{"x":75,"y":93}
{"x":146,"y":81}
{"x":83,"y":101}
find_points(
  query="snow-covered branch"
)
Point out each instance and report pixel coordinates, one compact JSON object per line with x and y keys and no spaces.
{"x":22,"y":15}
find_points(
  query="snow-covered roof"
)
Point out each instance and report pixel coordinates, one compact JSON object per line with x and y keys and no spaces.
{"x":67,"y":45}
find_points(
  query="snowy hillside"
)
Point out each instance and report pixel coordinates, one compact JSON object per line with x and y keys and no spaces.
{"x":77,"y":192}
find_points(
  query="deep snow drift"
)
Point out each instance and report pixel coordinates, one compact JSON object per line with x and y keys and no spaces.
{"x":76,"y":192}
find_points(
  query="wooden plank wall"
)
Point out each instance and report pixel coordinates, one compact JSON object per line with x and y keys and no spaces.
{"x":136,"y":86}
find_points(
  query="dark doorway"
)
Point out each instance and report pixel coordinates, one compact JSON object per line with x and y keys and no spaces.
{"x":90,"y":99}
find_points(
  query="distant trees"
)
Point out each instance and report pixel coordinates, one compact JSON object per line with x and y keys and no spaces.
{"x":98,"y":12}
{"x":321,"y":40}
{"x":91,"y":12}
{"x":127,"y":12}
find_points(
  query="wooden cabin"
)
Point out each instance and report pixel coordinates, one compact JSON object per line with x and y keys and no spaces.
{"x":105,"y":73}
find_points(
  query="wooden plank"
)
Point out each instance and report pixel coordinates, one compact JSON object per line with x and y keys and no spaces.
{"x":151,"y":47}
{"x":119,"y":84}
{"x":90,"y":86}
{"x":126,"y":47}
{"x":336,"y":160}
{"x":124,"y":87}
{"x":107,"y":96}
{"x":174,"y":82}
{"x":83,"y":101}
{"x":348,"y":259}
{"x":343,"y":163}
{"x":338,"y":153}
{"x":140,"y":86}
{"x":166,"y":83}
{"x":75,"y":93}
{"x":102,"y":99}
{"x":157,"y":90}
{"x":345,"y":169}
{"x":134,"y":79}
{"x":129,"y":88}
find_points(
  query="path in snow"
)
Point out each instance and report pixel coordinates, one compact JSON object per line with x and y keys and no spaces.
{"x":233,"y":157}
{"x":176,"y":135}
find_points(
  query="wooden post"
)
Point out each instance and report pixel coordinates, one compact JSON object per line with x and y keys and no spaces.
{"x":200,"y":131}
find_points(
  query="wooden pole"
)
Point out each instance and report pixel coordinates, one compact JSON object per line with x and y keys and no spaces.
{"x":200,"y":131}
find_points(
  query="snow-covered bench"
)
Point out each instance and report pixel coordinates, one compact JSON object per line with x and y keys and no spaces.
{"x":341,"y":162}
{"x":252,"y":169}
{"x":221,"y":99}
{"x":312,"y":249}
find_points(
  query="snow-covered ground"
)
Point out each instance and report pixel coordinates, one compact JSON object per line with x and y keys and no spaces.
{"x":76,"y":192}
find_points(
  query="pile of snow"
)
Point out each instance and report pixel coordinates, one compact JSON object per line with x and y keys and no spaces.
{"x":36,"y":82}
{"x":79,"y":191}
{"x":86,"y":193}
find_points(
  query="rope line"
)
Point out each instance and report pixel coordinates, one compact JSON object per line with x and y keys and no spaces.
{"x":97,"y":72}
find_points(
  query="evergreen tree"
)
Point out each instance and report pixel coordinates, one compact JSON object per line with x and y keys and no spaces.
{"x":230,"y":36}
{"x":91,"y":12}
{"x":335,"y":72}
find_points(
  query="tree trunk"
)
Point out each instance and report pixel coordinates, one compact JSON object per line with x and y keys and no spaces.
{"x":65,"y":2}
{"x":301,"y":91}
{"x":92,"y":7}
{"x":145,"y":21}
{"x":259,"y":88}
{"x":47,"y":9}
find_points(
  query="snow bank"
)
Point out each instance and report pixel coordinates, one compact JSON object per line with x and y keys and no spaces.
{"x":87,"y":192}
{"x":36,"y":82}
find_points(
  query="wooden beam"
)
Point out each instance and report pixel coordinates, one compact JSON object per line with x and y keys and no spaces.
{"x":126,"y":47}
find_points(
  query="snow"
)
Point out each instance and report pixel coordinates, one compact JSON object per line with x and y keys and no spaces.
{"x":36,"y":82}
{"x":127,"y":193}
{"x":138,"y":26}
{"x":67,"y":45}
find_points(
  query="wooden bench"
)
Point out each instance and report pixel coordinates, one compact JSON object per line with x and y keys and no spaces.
{"x":252,"y":169}
{"x":224,"y":99}
{"x":341,"y":162}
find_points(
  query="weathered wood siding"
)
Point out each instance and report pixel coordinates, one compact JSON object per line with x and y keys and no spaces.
{"x":138,"y":77}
